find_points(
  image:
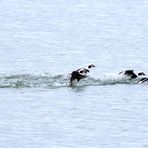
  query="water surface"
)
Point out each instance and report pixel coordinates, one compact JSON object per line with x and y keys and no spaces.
{"x":41,"y":42}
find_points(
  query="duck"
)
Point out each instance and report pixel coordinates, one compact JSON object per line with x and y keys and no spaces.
{"x":79,"y":74}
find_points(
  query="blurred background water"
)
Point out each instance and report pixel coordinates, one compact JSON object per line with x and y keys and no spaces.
{"x":41,"y":42}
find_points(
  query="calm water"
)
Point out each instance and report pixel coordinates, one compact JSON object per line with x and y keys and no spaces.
{"x":41,"y":42}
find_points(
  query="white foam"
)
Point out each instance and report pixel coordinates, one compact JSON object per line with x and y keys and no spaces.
{"x":53,"y":81}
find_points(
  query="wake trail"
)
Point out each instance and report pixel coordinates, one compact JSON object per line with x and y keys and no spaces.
{"x":62,"y":80}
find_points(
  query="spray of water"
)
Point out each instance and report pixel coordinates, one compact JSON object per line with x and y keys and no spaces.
{"x":55,"y":81}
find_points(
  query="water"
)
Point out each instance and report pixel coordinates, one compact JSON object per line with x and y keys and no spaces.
{"x":41,"y":42}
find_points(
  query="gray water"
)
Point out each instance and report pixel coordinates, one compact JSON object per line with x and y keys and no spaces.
{"x":41,"y":42}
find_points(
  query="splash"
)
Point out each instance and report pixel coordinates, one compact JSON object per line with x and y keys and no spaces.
{"x":32,"y":80}
{"x":55,"y":81}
